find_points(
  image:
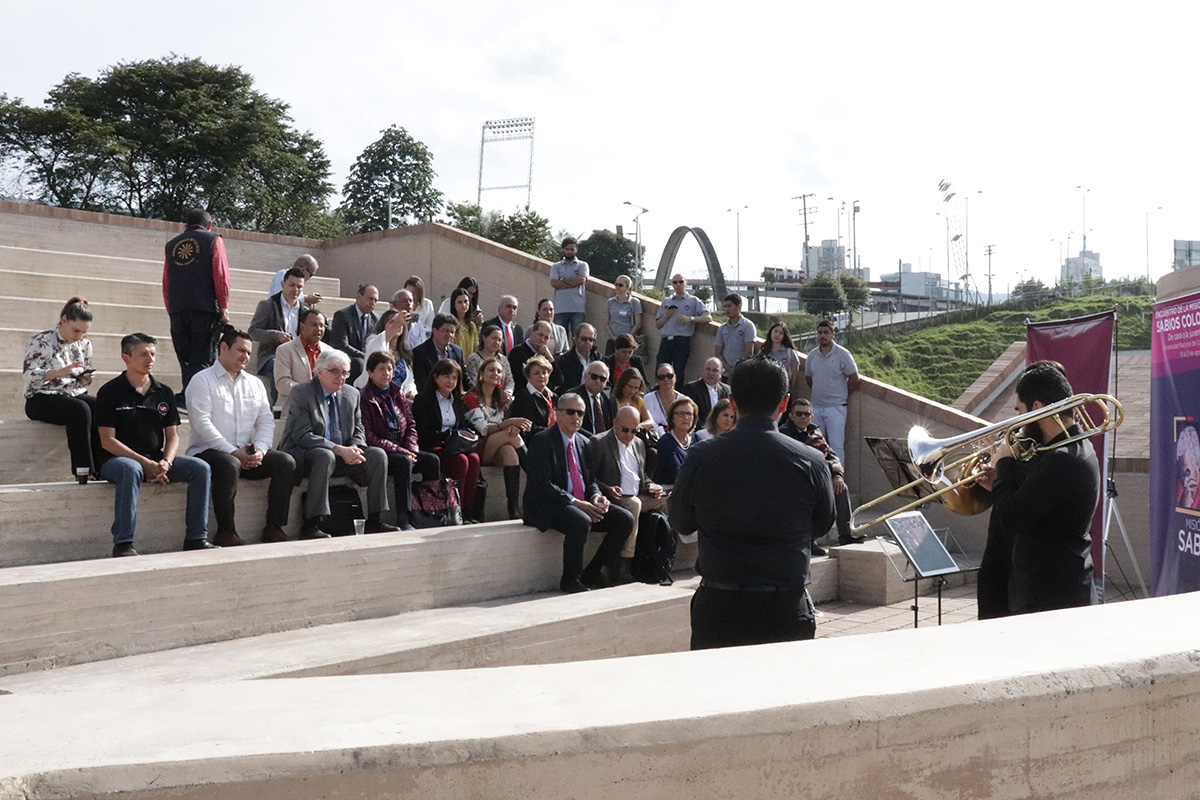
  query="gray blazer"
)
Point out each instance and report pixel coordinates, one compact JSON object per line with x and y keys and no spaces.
{"x":267,"y":324}
{"x":602,"y":457}
{"x":307,"y":418}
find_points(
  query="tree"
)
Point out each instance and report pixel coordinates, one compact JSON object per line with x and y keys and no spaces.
{"x":608,"y":255}
{"x":524,"y":230}
{"x":397,"y":167}
{"x":157,"y":137}
{"x":822,"y":294}
{"x":855,"y":289}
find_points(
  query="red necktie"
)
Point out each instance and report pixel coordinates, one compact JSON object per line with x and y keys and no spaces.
{"x":507,"y":338}
{"x":576,"y":475}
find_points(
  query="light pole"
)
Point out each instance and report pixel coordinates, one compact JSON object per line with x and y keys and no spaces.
{"x":1083,"y":248}
{"x":1148,"y":242}
{"x":855,"y":261}
{"x":738,"y":213}
{"x":637,"y":239}
{"x":841,"y":211}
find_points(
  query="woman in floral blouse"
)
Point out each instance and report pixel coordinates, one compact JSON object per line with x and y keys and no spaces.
{"x":57,"y":371}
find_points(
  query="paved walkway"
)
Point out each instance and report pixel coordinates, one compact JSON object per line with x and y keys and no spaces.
{"x":841,"y":618}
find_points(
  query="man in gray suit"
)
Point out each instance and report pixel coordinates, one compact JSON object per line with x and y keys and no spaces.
{"x":324,"y":433}
{"x":618,"y":460}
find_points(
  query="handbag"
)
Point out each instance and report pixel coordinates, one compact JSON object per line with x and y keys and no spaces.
{"x":435,"y":504}
{"x":461,"y":442}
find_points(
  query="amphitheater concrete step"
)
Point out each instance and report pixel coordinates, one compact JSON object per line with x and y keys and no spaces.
{"x":114,"y":290}
{"x":59,"y":262}
{"x":55,"y":615}
{"x":12,"y":398}
{"x":547,"y":628}
{"x":36,"y":452}
{"x":41,"y":313}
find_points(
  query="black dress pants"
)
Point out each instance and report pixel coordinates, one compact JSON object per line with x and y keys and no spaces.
{"x":724,"y":618}
{"x":575,"y":525}
{"x":277,"y":466}
{"x":192,"y":337}
{"x":401,"y":468}
{"x":76,"y":413}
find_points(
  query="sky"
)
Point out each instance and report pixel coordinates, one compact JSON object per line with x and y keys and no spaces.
{"x":691,"y":110}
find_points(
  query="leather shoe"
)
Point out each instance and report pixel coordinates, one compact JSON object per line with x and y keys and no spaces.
{"x":312,"y":530}
{"x":596,"y":579}
{"x":622,"y":572}
{"x":572,"y":586}
{"x":122,"y":549}
{"x":845,"y":540}
{"x":199,"y":544}
{"x":227,"y":539}
{"x":274,"y":533}
{"x":817,"y":550}
{"x":379,"y":526}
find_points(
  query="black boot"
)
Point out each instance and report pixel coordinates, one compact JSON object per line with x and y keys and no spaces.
{"x":480,"y":500}
{"x":512,"y":490}
{"x":522,"y":451}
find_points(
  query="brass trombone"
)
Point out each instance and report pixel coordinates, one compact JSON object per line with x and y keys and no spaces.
{"x":956,"y":479}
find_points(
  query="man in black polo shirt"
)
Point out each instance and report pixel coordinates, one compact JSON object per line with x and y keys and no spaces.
{"x":753,"y":556}
{"x":139,"y":436}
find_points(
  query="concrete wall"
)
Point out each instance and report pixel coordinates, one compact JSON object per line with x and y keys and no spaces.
{"x":1048,"y":705}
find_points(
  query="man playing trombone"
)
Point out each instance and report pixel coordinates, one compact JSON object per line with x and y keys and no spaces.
{"x":1043,"y":508}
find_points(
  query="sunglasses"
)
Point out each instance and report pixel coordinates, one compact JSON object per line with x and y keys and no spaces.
{"x":587,"y":338}
{"x":801,"y":414}
{"x":623,"y":429}
{"x":572,"y":412}
{"x":597,"y":377}
{"x":676,"y":281}
{"x":666,"y":376}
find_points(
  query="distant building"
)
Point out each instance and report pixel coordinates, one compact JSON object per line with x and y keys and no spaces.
{"x":1085,"y":265}
{"x":829,"y":257}
{"x":1187,"y":254}
{"x":783,"y":274}
{"x":924,"y":284}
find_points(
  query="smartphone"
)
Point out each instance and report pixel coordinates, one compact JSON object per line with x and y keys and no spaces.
{"x":87,"y":371}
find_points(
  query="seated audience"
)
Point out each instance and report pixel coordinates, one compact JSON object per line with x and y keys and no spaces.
{"x":491,"y":345}
{"x":403,"y":302}
{"x":538,"y":343}
{"x":800,"y":427}
{"x":658,"y":401}
{"x":139,"y":441}
{"x":569,"y":367}
{"x":707,"y":390}
{"x":352,"y":325}
{"x":391,"y":336}
{"x":466,"y":335}
{"x":389,"y":425}
{"x":601,"y":408}
{"x":629,"y":393}
{"x":673,"y":447}
{"x":296,"y":360}
{"x":511,"y":332}
{"x":562,"y":493}
{"x":500,"y":441}
{"x":535,"y":401}
{"x":324,"y":433}
{"x":561,"y":340}
{"x":277,"y":321}
{"x":618,"y":460}
{"x":440,"y":345}
{"x":308,"y":266}
{"x":422,"y":305}
{"x":56,"y":373}
{"x":471,"y":287}
{"x":721,"y":419}
{"x":622,"y":357}
{"x":440,"y":414}
{"x":232,"y":431}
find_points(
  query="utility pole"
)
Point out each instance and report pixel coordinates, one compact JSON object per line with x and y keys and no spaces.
{"x":804,"y":211}
{"x":989,"y":250}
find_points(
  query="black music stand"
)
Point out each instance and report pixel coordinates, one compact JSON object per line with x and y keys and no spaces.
{"x":928,"y":556}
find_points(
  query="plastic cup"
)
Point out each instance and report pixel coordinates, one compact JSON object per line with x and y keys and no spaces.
{"x":360,"y":527}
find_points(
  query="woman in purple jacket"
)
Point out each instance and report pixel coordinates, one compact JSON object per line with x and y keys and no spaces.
{"x":388,"y":420}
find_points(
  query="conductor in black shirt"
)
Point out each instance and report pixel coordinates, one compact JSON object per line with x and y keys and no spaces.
{"x":754,"y":546}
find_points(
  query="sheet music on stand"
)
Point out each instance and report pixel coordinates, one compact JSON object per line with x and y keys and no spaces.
{"x":927,"y":555}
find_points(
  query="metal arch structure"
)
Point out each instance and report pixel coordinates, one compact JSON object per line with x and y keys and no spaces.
{"x":665,"y":264}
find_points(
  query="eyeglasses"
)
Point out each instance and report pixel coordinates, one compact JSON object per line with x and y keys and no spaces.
{"x":666,"y":376}
{"x":337,"y":373}
{"x":572,"y":412}
{"x":623,"y":429}
{"x":683,"y":414}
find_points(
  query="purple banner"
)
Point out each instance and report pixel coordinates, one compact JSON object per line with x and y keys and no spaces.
{"x":1175,"y":446}
{"x":1083,"y":345}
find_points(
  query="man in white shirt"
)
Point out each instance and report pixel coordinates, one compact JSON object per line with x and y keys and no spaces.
{"x":403,"y":302}
{"x":308,"y":266}
{"x":276,"y":321}
{"x":618,"y":459}
{"x":832,"y":375}
{"x":232,"y":428}
{"x":506,"y":319}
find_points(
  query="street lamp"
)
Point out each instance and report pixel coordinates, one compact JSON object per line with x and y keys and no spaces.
{"x":1148,"y":242}
{"x":855,"y":263}
{"x":1084,"y":192}
{"x":637,"y":239}
{"x":738,"y":212}
{"x":841,"y":211}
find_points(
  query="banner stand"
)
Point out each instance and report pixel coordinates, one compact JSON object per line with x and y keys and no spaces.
{"x":1113,"y":511}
